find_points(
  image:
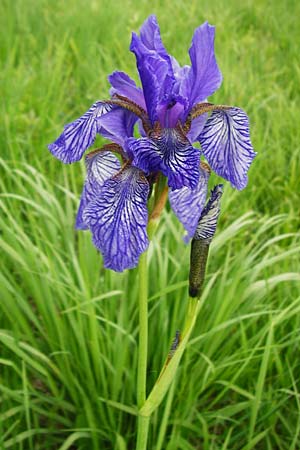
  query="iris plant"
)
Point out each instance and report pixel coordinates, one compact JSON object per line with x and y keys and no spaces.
{"x":171,"y":110}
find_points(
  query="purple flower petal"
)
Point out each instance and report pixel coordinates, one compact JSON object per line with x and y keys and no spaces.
{"x":207,"y":225}
{"x":141,"y":129}
{"x":118,"y":219}
{"x":150,"y":36}
{"x":79,"y":135}
{"x":117,"y":125}
{"x":181,"y":88}
{"x":168,"y":116}
{"x":154,"y":65}
{"x":188,"y":203}
{"x":123,"y":85}
{"x":196,"y":128}
{"x":204,"y":76}
{"x":171,"y":153}
{"x":91,"y":189}
{"x":145,"y":154}
{"x":225,"y":141}
{"x":100,"y":166}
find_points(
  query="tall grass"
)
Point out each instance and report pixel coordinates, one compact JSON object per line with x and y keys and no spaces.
{"x":68,"y":338}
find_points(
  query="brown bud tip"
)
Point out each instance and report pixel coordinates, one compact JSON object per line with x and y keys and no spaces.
{"x":194,"y":291}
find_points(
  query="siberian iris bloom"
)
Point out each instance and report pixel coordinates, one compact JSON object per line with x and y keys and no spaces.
{"x":171,"y":111}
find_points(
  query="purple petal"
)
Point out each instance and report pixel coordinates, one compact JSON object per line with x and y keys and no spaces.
{"x":154,"y":65}
{"x":91,"y":190}
{"x":145,"y":154}
{"x":169,"y":152}
{"x":123,"y":85}
{"x":142,"y":132}
{"x":154,"y":77}
{"x":225,"y":141}
{"x":169,"y":116}
{"x":196,"y":128}
{"x":79,"y":135}
{"x":181,"y":87}
{"x":207,"y":225}
{"x":118,"y":219}
{"x":204,"y":76}
{"x":181,"y":160}
{"x":150,"y":36}
{"x":100,"y":167}
{"x":117,"y":125}
{"x":188,"y":203}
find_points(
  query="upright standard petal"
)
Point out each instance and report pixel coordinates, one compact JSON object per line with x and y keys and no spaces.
{"x":225,"y":141}
{"x":207,"y":225}
{"x":153,"y":72}
{"x":123,"y":85}
{"x":154,"y":65}
{"x":150,"y":36}
{"x":170,"y":152}
{"x":101,"y":166}
{"x":79,"y":135}
{"x":188,"y":203}
{"x":118,"y":219}
{"x":204,"y":76}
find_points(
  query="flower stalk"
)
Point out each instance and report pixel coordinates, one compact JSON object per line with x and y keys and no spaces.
{"x":161,"y":195}
{"x":143,"y":330}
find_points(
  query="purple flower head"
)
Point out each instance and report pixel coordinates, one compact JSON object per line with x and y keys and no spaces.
{"x":174,"y":112}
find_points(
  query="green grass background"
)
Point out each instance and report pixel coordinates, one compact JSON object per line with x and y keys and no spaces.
{"x":68,"y":329}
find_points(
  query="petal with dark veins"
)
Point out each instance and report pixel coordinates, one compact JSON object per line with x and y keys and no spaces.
{"x":170,"y":152}
{"x":225,"y":141}
{"x":118,"y":219}
{"x":79,"y":135}
{"x":101,"y":166}
{"x":188,"y":203}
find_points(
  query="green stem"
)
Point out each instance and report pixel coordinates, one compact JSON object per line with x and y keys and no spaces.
{"x":169,"y":370}
{"x":165,"y":418}
{"x":143,"y":422}
{"x":142,"y":436}
{"x":143,"y":330}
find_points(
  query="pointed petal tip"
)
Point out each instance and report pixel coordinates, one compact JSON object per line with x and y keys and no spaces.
{"x":205,"y":77}
{"x":78,"y":135}
{"x":134,"y":41}
{"x":58,"y":150}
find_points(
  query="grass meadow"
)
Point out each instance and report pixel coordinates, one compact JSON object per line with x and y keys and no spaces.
{"x":68,"y":328}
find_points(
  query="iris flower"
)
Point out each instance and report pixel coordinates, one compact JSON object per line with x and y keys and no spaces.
{"x":171,"y":111}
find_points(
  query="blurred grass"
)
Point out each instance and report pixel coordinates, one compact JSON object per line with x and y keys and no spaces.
{"x":68,"y":338}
